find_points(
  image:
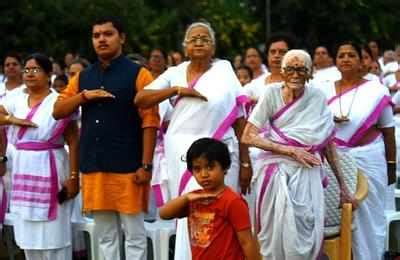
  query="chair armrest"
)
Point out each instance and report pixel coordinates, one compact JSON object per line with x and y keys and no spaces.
{"x":345,"y":232}
{"x":362,"y":187}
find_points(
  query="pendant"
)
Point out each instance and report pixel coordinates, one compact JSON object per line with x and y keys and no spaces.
{"x":341,"y":119}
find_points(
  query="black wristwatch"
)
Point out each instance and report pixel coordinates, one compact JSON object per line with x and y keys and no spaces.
{"x":3,"y":159}
{"x":148,"y":167}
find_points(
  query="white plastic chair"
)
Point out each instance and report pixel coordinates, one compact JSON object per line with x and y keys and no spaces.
{"x":391,"y":217}
{"x":88,"y":226}
{"x":160,"y":233}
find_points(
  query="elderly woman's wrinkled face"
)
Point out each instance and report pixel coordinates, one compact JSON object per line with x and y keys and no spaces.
{"x":348,"y":59}
{"x":199,"y":44}
{"x":295,"y":74}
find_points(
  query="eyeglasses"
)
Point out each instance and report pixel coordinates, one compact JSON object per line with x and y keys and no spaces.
{"x":291,"y":70}
{"x":203,"y":40}
{"x":34,"y":70}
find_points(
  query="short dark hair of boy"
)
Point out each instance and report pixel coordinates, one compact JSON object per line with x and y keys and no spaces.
{"x":116,"y":22}
{"x":210,"y":149}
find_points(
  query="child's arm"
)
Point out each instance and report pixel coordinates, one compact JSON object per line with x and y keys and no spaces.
{"x":179,"y":207}
{"x":248,"y":244}
{"x":176,"y":208}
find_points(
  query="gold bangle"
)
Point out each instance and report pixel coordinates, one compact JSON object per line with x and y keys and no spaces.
{"x":74,"y":175}
{"x":391,"y":162}
{"x":178,"y":93}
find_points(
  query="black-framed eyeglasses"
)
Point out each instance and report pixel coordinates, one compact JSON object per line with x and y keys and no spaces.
{"x":291,"y":70}
{"x":34,"y":70}
{"x":203,"y":40}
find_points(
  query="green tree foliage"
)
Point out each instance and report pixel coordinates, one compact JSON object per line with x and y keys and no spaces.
{"x":328,"y":21}
{"x":58,"y":26}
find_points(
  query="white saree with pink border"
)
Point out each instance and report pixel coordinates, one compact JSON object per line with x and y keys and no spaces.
{"x":364,"y":106}
{"x":192,"y":119}
{"x":290,"y":200}
{"x":40,"y":166}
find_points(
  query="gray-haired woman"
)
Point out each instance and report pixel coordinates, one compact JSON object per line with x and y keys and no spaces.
{"x":290,"y":212}
{"x":206,"y":96}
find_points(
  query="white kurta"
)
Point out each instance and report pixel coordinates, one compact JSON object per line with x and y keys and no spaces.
{"x":192,"y":119}
{"x":32,"y":229}
{"x":290,"y":196}
{"x":370,"y":106}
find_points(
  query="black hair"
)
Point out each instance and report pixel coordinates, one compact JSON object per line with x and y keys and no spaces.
{"x":322,"y":46}
{"x":43,"y":61}
{"x":255,"y":48}
{"x":352,"y":43}
{"x":368,"y":50}
{"x":15,"y":55}
{"x":211,"y":149}
{"x":116,"y":22}
{"x":288,"y":38}
{"x":244,"y":67}
{"x":62,"y":78}
{"x":81,"y":61}
{"x":162,"y":51}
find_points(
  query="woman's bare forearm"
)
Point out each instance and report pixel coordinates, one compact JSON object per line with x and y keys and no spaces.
{"x":66,"y":106}
{"x":147,"y":98}
{"x":252,"y":138}
{"x":333,"y":160}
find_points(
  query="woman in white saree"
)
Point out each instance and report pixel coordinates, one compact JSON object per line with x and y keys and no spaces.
{"x":207,"y":100}
{"x":44,"y":175}
{"x":365,"y":128}
{"x":290,"y":211}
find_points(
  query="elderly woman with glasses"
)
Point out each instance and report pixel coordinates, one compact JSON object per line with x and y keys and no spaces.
{"x":289,"y":209}
{"x":206,"y":96}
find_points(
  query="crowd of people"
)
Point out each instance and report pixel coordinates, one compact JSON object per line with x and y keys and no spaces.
{"x":232,"y":149}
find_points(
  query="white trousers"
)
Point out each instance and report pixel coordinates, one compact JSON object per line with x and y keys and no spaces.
{"x":109,"y":226}
{"x":64,"y":253}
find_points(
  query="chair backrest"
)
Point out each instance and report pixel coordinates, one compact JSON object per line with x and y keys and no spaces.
{"x":332,"y":192}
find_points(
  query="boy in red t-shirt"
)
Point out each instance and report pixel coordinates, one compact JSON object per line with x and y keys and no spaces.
{"x":218,"y":218}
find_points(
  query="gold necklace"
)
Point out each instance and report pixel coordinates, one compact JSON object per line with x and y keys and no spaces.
{"x":345,"y":117}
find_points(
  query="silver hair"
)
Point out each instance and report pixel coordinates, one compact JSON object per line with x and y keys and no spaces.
{"x":206,"y":25}
{"x":302,"y":55}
